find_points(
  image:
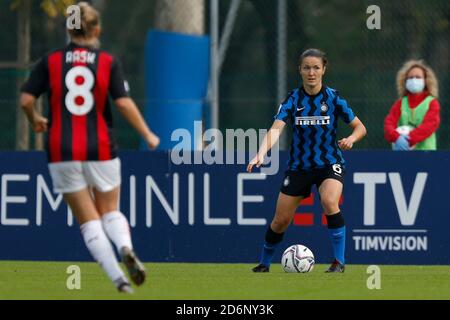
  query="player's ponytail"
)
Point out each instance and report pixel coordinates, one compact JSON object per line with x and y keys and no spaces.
{"x":90,"y":19}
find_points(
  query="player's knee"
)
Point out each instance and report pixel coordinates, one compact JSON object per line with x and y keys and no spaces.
{"x":329,"y":204}
{"x":103,"y":208}
{"x":280,"y":223}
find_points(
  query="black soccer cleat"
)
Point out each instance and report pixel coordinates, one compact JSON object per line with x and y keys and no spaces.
{"x":261,"y":268}
{"x":135,"y":267}
{"x":336,"y":266}
{"x":125,"y":287}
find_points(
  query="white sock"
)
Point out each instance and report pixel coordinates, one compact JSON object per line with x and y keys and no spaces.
{"x":101,"y":250}
{"x":117,"y":228}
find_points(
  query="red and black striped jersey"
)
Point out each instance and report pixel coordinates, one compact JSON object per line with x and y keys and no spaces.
{"x":78,"y":81}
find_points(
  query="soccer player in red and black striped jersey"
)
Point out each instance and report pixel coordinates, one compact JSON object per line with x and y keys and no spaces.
{"x":82,"y":152}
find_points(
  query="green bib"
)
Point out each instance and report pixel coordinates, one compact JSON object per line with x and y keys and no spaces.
{"x":414,"y":117}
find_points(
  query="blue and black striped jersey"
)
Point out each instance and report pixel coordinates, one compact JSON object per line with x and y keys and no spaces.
{"x":314,"y":123}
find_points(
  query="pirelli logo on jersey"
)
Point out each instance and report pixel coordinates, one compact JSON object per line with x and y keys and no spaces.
{"x":312,"y":121}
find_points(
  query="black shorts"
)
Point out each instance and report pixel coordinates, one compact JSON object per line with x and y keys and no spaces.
{"x":299,"y":183}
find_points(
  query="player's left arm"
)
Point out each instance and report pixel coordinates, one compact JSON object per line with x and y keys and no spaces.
{"x":359,"y":131}
{"x":344,"y":111}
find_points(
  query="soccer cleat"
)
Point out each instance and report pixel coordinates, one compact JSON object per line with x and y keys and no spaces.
{"x":336,"y":266}
{"x":134,"y":266}
{"x":261,"y":268}
{"x":125,"y":287}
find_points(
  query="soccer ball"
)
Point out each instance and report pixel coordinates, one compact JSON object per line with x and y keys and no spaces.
{"x":404,"y":130}
{"x":297,"y":258}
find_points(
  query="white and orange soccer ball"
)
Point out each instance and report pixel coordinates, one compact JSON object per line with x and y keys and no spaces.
{"x":297,"y":258}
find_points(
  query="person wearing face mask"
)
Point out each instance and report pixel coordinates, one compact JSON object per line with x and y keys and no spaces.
{"x":417,"y":108}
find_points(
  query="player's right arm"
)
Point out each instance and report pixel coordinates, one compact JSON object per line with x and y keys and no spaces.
{"x":35,"y":85}
{"x":284,"y":115}
{"x":269,"y":141}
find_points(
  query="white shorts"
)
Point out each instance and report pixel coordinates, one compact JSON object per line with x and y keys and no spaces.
{"x":73,"y":176}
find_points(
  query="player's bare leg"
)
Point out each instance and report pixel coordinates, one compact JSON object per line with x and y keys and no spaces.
{"x":118,"y":230}
{"x":284,"y":213}
{"x":87,"y":216}
{"x":82,"y":206}
{"x":330,"y":192}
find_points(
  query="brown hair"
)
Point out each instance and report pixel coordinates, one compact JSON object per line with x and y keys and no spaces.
{"x":431,"y":82}
{"x":313,"y":53}
{"x":90,"y":19}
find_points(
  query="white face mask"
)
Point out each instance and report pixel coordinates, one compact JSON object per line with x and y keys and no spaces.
{"x":415,"y":85}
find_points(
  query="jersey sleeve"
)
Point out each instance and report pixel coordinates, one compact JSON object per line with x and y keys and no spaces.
{"x":285,"y":113}
{"x":38,"y":81}
{"x":343,"y":110}
{"x":118,"y":87}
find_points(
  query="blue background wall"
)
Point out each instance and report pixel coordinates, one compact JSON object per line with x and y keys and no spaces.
{"x":176,"y":73}
{"x":197,"y":241}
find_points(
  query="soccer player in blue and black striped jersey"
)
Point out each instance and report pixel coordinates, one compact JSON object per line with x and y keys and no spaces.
{"x":315,"y":156}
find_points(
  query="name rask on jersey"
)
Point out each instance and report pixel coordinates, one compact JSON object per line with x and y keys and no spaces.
{"x":80,"y":57}
{"x":312,"y":121}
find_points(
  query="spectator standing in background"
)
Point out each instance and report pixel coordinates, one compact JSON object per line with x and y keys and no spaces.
{"x":414,"y":118}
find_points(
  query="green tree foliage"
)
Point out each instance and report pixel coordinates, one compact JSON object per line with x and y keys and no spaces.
{"x":362,"y":63}
{"x":52,"y":8}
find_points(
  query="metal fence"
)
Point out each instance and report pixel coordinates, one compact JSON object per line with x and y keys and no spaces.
{"x":363,"y":62}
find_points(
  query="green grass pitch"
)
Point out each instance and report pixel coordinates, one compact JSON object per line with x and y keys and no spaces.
{"x":173,"y":281}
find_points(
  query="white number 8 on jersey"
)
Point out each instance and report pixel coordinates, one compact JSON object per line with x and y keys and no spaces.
{"x":79,"y":81}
